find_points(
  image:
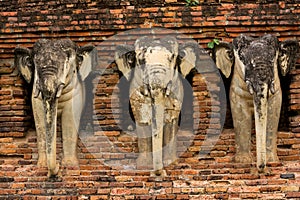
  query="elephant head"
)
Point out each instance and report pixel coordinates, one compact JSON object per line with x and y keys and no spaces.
{"x":50,"y":63}
{"x":153,"y":67}
{"x":55,"y":67}
{"x":157,"y":61}
{"x":256,"y":64}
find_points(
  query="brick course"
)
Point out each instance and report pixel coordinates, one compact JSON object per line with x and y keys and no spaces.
{"x":107,"y":155}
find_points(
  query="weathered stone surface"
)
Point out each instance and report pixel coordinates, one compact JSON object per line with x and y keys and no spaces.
{"x":54,"y":68}
{"x":91,"y":22}
{"x":255,"y":90}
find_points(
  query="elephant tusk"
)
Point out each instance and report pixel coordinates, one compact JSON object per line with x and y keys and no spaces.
{"x":168,"y":90}
{"x":154,"y":124}
{"x":59,"y":91}
{"x":36,"y":93}
{"x":272,"y":89}
{"x":250,"y":88}
{"x":145,"y":90}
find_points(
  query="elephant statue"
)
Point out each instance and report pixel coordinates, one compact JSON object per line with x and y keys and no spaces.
{"x":57,"y":69}
{"x":155,"y":68}
{"x":255,"y":90}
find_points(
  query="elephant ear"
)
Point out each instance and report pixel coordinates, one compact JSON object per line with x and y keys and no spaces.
{"x":188,"y":55}
{"x":223,"y":56}
{"x":87,"y":60}
{"x":23,"y":61}
{"x":125,"y":59}
{"x":287,"y":55}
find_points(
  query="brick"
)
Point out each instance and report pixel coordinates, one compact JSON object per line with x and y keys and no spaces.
{"x":180,"y":184}
{"x":8,"y":192}
{"x":6,"y":140}
{"x":84,"y":191}
{"x":218,"y":153}
{"x":123,"y":178}
{"x":7,"y":151}
{"x":9,"y":13}
{"x":139,"y":191}
{"x":5,"y":92}
{"x":99,"y":197}
{"x":248,"y":196}
{"x":291,"y":188}
{"x":293,"y":195}
{"x":216,"y":189}
{"x":120,"y":191}
{"x":269,"y":188}
{"x":6,"y":179}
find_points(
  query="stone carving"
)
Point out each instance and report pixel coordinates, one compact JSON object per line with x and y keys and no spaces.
{"x":255,"y":89}
{"x":153,"y":67}
{"x":57,"y":69}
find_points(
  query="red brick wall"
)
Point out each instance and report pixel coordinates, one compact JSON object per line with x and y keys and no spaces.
{"x":214,"y":176}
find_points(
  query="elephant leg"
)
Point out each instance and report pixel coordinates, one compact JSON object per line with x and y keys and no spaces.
{"x":70,"y":125}
{"x":142,"y":111}
{"x":39,"y":119}
{"x":242,"y":111}
{"x":70,"y":137}
{"x":170,"y":140}
{"x":145,"y":159}
{"x":272,"y":126}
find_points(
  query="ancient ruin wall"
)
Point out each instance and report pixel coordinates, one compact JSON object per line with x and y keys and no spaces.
{"x":23,"y":22}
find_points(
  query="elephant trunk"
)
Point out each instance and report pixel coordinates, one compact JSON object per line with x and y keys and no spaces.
{"x":50,"y":108}
{"x":157,"y":130}
{"x":260,"y":115}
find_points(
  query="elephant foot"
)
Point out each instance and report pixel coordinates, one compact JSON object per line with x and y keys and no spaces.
{"x":243,"y":158}
{"x":161,"y":173}
{"x":257,"y":171}
{"x":144,"y":162}
{"x":55,"y":177}
{"x":266,"y":171}
{"x":70,"y":162}
{"x":54,"y":174}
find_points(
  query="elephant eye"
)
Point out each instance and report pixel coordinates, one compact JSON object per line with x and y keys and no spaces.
{"x":79,"y":59}
{"x":172,"y":57}
{"x":68,"y":52}
{"x":130,"y":57}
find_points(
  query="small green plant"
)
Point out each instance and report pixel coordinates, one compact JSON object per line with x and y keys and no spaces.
{"x":212,"y":43}
{"x":192,"y":2}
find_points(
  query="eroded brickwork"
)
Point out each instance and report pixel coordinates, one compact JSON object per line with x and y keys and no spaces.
{"x":107,"y":154}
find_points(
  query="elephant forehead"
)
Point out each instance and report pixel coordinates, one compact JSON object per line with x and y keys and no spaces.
{"x":157,"y":55}
{"x":263,"y":50}
{"x":258,"y":52}
{"x":54,"y":44}
{"x":46,"y":55}
{"x":168,"y":43}
{"x":56,"y":50}
{"x":50,"y":52}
